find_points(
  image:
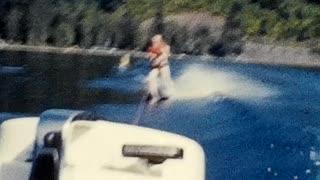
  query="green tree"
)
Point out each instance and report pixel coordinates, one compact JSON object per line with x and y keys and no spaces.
{"x":252,"y":21}
{"x":231,"y":40}
{"x":64,"y":35}
{"x":40,"y":18}
{"x":89,"y":26}
{"x":13,"y":25}
{"x":126,"y":32}
{"x":110,"y":5}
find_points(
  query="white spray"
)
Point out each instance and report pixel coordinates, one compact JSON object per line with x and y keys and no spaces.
{"x":201,"y":82}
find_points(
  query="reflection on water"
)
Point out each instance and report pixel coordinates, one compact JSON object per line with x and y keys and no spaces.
{"x":43,"y":81}
{"x":255,"y":122}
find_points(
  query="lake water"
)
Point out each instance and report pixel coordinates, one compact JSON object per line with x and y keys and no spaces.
{"x":254,"y":121}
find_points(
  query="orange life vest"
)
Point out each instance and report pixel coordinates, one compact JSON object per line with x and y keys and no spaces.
{"x":156,"y":50}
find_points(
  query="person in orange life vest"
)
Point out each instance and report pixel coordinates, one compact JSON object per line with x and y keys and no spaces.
{"x":158,"y":55}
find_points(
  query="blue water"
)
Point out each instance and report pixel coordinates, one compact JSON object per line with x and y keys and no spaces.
{"x":266,"y":126}
{"x":274,"y":137}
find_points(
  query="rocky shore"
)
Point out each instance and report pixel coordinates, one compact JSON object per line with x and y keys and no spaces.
{"x":276,"y":55}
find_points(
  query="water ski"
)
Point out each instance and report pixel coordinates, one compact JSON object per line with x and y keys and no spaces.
{"x":160,"y":100}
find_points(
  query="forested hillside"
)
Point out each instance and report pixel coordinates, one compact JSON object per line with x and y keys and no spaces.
{"x":115,"y":23}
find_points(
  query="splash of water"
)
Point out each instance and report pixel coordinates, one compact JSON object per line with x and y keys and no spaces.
{"x":201,"y":82}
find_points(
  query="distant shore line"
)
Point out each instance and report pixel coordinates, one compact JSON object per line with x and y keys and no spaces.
{"x":252,"y":54}
{"x":95,"y":51}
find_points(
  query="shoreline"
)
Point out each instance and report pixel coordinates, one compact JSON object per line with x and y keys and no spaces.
{"x":253,"y":54}
{"x":95,"y":51}
{"x":69,"y":50}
